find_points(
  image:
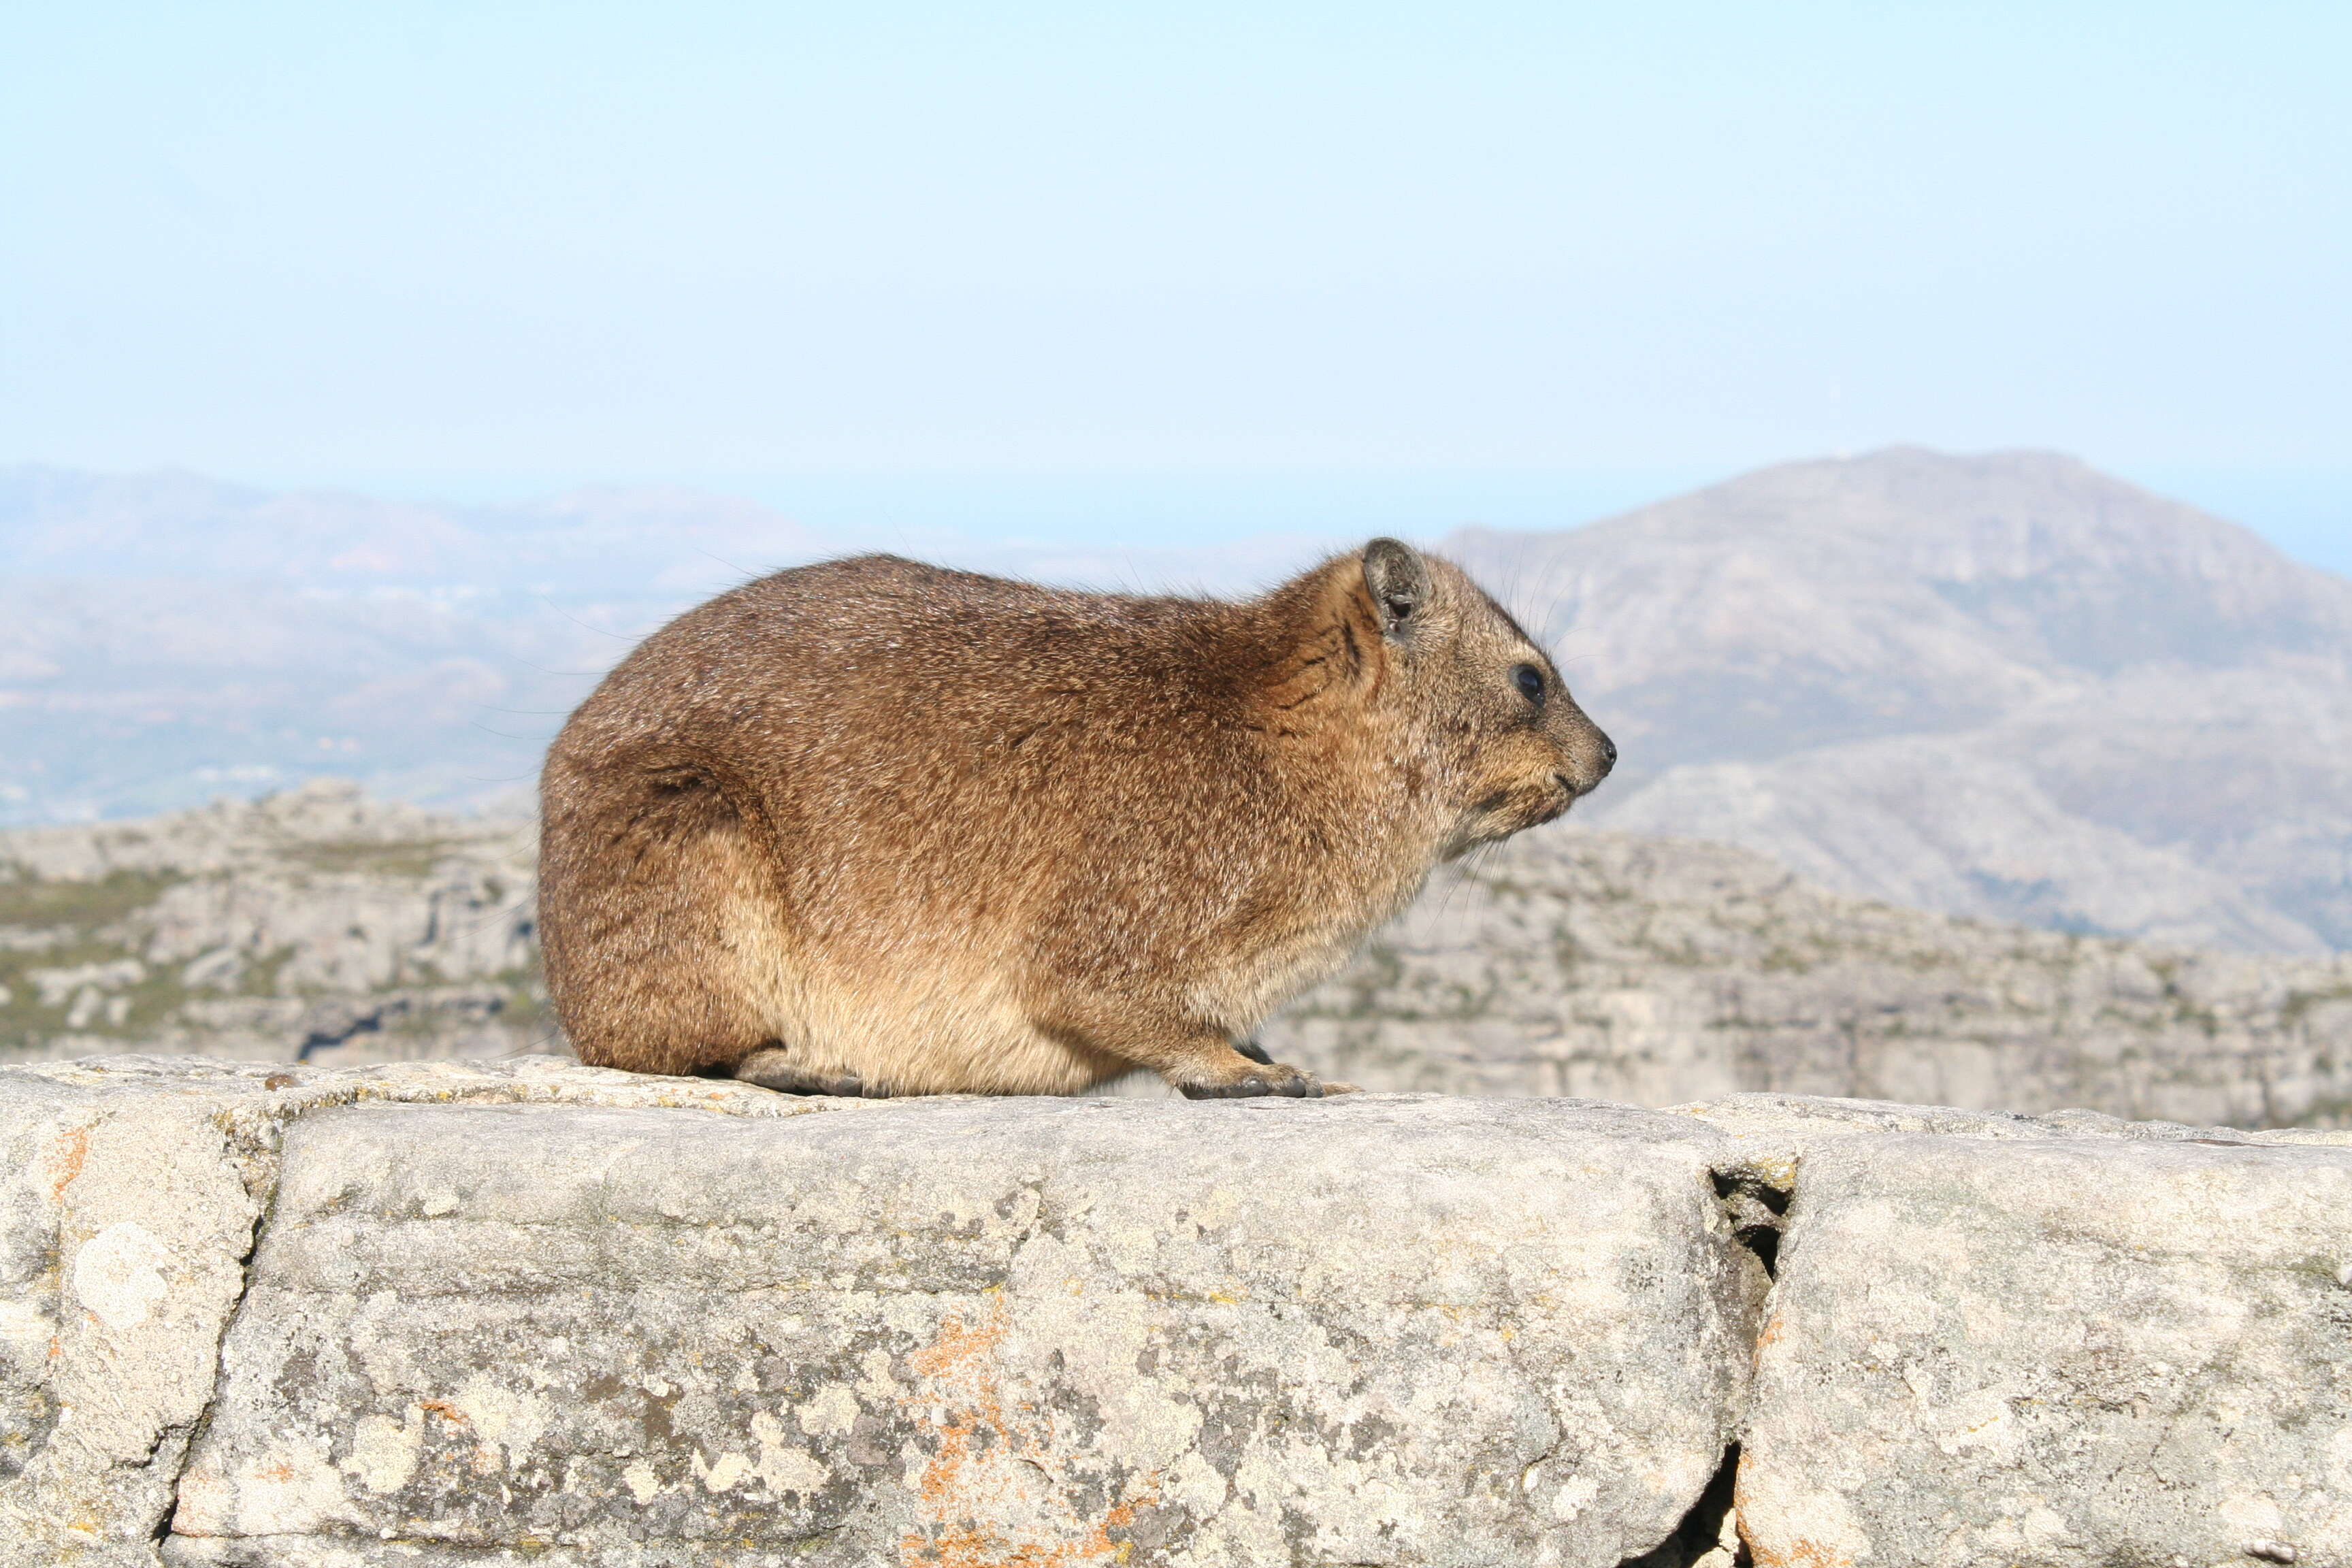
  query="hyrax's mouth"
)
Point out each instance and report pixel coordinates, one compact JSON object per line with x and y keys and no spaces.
{"x":1508,"y":812}
{"x":1564,"y":795}
{"x":1503,"y":815}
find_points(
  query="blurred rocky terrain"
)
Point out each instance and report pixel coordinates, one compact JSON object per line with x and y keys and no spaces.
{"x":1659,"y":971}
{"x":324,"y":926}
{"x":315,"y":925}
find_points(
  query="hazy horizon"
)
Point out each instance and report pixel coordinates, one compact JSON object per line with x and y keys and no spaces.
{"x":2306,"y":513}
{"x":447,"y":248}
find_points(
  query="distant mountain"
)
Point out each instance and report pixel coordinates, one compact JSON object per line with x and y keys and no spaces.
{"x":592,"y":545}
{"x":164,"y":638}
{"x":2005,"y":686}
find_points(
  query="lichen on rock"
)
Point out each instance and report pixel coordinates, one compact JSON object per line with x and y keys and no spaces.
{"x":436,"y":1313}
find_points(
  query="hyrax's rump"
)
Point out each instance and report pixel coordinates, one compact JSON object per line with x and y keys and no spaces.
{"x":875,"y":826}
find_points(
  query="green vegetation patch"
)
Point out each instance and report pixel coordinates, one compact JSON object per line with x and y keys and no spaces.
{"x":84,"y":906}
{"x":77,"y":913}
{"x":2300,"y":1003}
{"x":24,"y":1020}
{"x":402,"y":858}
{"x":259,"y":978}
{"x":525,"y":999}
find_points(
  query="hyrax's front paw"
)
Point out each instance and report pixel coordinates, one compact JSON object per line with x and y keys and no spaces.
{"x":1253,"y":1076}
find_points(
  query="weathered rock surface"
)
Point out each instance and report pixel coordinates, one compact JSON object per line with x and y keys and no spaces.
{"x":606,"y":1322}
{"x":129,"y":1199}
{"x":124,"y":1219}
{"x":440,"y":1313}
{"x":1417,"y":1331}
{"x":1986,"y":1344}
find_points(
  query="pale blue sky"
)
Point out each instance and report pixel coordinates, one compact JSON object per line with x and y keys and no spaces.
{"x":1530,"y":253}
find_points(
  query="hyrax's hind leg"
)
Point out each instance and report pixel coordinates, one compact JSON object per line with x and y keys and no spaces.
{"x":656,"y":916}
{"x":771,"y":1067}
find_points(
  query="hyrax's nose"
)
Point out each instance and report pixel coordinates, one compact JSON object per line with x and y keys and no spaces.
{"x":1608,"y":755}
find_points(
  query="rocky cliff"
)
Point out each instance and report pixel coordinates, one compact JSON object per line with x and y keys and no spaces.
{"x":443,"y":1314}
{"x":1657,"y":970}
{"x":315,"y":921}
{"x":320,"y":925}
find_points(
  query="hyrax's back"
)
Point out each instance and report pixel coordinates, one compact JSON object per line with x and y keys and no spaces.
{"x":874,"y":825}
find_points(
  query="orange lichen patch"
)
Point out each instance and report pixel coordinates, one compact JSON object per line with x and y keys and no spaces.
{"x":960,"y":1347}
{"x":969,"y":1545}
{"x":66,"y":1161}
{"x":1801,"y":1553}
{"x":990,"y":1495}
{"x":443,"y":1409}
{"x":1771,"y":1331}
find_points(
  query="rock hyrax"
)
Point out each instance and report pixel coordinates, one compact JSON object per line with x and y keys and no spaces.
{"x":873,"y":826}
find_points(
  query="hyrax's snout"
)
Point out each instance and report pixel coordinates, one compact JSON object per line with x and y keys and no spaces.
{"x":1576,"y":757}
{"x":1605,"y":757}
{"x":1587,"y":753}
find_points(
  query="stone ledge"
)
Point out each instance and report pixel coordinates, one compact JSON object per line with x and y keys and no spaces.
{"x":444,"y":1313}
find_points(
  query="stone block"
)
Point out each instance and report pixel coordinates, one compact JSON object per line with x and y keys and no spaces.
{"x":2068,"y":1342}
{"x":129,"y":1189}
{"x":444,"y":1314}
{"x":124,"y":1221}
{"x":960,"y":1332}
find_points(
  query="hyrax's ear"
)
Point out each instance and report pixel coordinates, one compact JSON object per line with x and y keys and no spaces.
{"x":1397,"y":579}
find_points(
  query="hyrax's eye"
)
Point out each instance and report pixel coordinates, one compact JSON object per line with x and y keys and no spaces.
{"x":1530,"y":683}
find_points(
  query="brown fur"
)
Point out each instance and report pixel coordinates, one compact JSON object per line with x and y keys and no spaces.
{"x":877,"y":827}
